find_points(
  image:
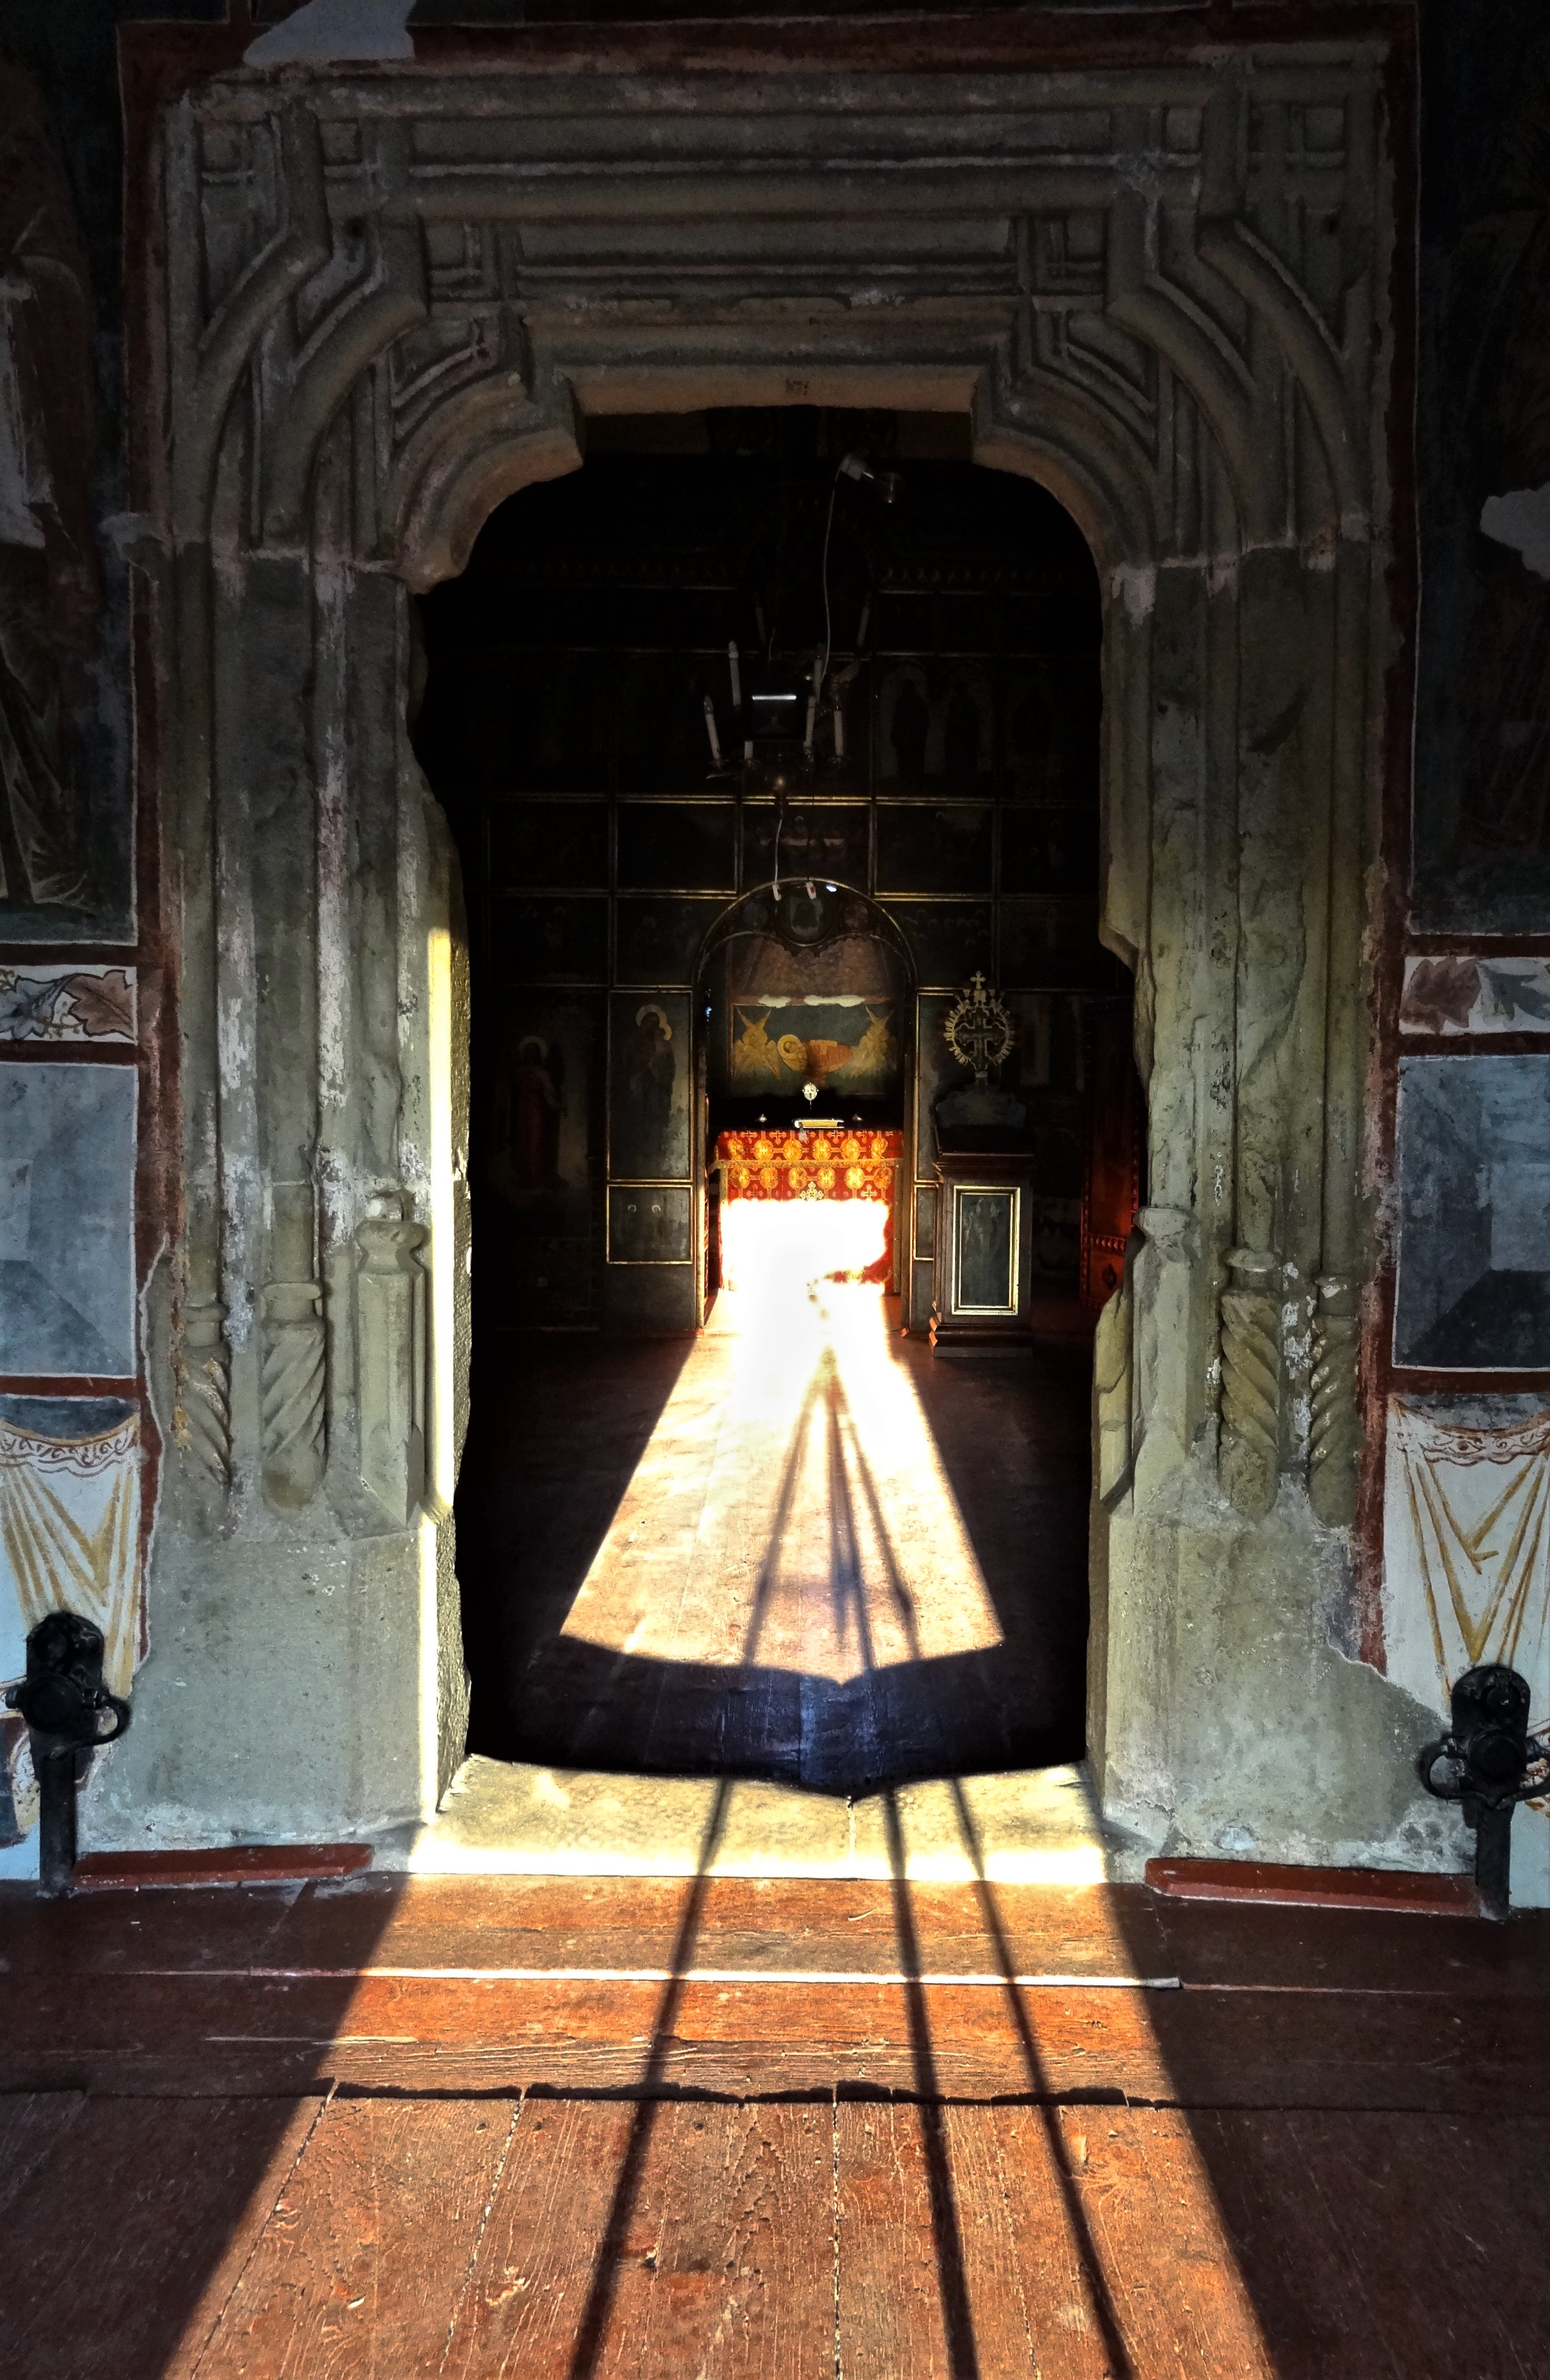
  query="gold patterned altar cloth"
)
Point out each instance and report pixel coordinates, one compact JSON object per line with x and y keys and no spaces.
{"x":810,"y":1164}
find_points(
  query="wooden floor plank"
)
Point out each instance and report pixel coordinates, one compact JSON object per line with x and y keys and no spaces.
{"x":362,"y":2266}
{"x":994,"y":2276}
{"x":1206,"y":2288}
{"x":1171,"y":2321}
{"x":1494,"y":2221}
{"x":1392,"y":2185}
{"x":1467,"y":2055}
{"x":895,"y":2252}
{"x":533,"y":2277}
{"x":1291,"y":2251}
{"x":122,"y":2250}
{"x":1071,"y":2323}
{"x":739,"y":2200}
{"x":34,"y":2126}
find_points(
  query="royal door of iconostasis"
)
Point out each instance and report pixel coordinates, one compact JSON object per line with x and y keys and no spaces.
{"x":760,"y":737}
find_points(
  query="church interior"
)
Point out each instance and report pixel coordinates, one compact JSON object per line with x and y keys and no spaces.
{"x":774,"y":1189}
{"x":756,"y":736}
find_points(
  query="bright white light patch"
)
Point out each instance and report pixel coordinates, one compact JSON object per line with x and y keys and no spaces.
{"x":787,"y":1243}
{"x":791,"y":1509}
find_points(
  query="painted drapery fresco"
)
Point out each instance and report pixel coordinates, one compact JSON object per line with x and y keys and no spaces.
{"x":1467,"y":1570}
{"x":70,"y":1540}
{"x":71,"y":1523}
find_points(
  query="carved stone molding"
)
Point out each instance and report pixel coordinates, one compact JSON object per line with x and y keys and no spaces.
{"x":1335,"y":1434}
{"x":393,"y":300}
{"x":390,"y":1356}
{"x":293,"y":1380}
{"x":1251,"y":1440}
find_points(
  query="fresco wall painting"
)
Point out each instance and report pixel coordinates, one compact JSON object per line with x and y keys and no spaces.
{"x":542,"y":1130}
{"x":1467,"y":1541}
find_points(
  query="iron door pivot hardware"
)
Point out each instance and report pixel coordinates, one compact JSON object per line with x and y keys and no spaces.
{"x":1489,"y":1762}
{"x":64,"y":1701}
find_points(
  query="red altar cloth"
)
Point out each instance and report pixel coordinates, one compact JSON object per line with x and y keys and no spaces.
{"x":810,"y":1164}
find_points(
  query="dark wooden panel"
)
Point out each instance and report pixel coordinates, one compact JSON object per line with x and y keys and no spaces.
{"x":1049,"y":851}
{"x":539,"y":722}
{"x":663,"y":745}
{"x":1054,"y":942}
{"x":548,"y":941}
{"x":927,"y":848}
{"x":1308,"y":2291}
{"x":649,"y":1226}
{"x":678,"y":846}
{"x":659,"y":939}
{"x":365,"y":2260}
{"x":35,"y":2128}
{"x":547,"y":843}
{"x":947,"y":940}
{"x":829,"y":844}
{"x":1430,"y":2260}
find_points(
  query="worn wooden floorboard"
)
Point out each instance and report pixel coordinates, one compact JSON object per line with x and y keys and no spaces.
{"x":995,"y":2280}
{"x":738,"y":2280}
{"x":364,"y":2262}
{"x":1293,"y":2252}
{"x":35,"y":2128}
{"x":902,"y":2295}
{"x":1197,"y":2266}
{"x":1071,"y":2323}
{"x":1391,"y":2184}
{"x":1199,"y":2048}
{"x":120,"y":2253}
{"x":442,"y":1922}
{"x":496,"y":1921}
{"x":532,"y":2278}
{"x":1326,"y":2172}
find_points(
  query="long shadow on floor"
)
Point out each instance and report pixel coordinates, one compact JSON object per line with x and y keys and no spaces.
{"x":558,"y":1424}
{"x":559,"y":1427}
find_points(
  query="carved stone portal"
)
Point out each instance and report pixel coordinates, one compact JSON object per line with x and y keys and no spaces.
{"x":392,"y":299}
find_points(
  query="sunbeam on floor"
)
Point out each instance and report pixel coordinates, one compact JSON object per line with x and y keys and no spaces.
{"x":791,"y":1510}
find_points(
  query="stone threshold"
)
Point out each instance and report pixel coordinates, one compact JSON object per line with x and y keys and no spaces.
{"x":1038,"y":1826}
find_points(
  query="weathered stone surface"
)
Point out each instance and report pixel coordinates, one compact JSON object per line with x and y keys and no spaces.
{"x":391,"y":301}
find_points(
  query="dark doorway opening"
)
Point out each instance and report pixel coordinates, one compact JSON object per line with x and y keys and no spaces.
{"x":815,"y":678}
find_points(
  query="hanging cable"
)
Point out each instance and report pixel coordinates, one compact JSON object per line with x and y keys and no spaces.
{"x":822,"y":672}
